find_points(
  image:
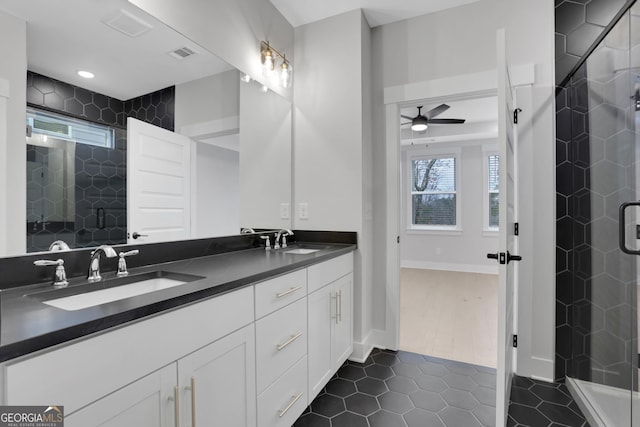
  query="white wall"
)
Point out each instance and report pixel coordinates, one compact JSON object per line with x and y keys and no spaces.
{"x":217,"y":211}
{"x":13,"y":70}
{"x":462,"y":41}
{"x":231,"y":29}
{"x":332,"y":163}
{"x":463,"y":250}
{"x":208,"y":99}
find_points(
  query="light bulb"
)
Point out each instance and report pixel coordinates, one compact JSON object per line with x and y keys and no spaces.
{"x":285,"y":74}
{"x":268,"y":65}
{"x":246,"y":78}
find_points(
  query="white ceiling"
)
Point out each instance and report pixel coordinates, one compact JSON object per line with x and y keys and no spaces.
{"x":377,"y":12}
{"x":62,"y":39}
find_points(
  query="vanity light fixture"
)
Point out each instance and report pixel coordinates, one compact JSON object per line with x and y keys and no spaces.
{"x":86,"y":74}
{"x":268,"y":57}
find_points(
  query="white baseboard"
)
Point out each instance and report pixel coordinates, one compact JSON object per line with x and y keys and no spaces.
{"x":362,"y":349}
{"x":463,"y":268}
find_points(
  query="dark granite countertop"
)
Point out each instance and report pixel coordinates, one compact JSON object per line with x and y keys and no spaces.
{"x":28,"y":325}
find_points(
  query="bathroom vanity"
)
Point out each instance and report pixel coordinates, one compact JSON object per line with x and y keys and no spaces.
{"x":249,"y":342}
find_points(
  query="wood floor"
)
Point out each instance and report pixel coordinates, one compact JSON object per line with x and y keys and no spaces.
{"x":448,"y":314}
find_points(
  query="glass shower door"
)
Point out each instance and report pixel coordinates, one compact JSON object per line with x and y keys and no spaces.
{"x":604,"y":155}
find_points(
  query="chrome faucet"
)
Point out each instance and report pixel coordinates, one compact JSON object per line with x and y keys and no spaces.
{"x":247,"y":230}
{"x":94,"y":262}
{"x":282,"y":233}
{"x":60,"y":275}
{"x":59,"y":245}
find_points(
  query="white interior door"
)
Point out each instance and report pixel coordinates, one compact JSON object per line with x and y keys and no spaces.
{"x":507,"y":242}
{"x":158,"y":184}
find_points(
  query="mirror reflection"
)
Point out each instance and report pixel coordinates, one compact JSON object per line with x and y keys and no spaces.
{"x":239,"y":167}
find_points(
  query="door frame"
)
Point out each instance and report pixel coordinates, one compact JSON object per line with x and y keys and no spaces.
{"x":464,"y":86}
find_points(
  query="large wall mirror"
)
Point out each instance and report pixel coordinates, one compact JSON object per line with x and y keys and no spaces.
{"x":239,"y":158}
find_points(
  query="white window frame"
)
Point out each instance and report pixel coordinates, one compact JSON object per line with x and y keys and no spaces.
{"x":487,"y":150}
{"x":433,"y":153}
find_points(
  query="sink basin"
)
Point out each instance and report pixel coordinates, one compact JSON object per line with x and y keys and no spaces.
{"x":301,"y":251}
{"x":114,"y":290}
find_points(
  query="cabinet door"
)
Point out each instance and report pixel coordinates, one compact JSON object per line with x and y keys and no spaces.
{"x":148,"y":402}
{"x":218,"y":383}
{"x":343,"y":328}
{"x":321,"y":313}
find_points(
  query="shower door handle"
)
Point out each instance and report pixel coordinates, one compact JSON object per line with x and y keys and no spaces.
{"x":621,"y":228}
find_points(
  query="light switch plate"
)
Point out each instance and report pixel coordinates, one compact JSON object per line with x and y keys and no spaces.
{"x":284,"y":211}
{"x":303,"y":210}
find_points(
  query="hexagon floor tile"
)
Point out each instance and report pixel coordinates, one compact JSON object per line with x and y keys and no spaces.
{"x":406,"y":389}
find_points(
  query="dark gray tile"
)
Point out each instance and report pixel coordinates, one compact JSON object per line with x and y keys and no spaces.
{"x":340,"y":387}
{"x":401,"y":384}
{"x":362,"y":404}
{"x":395,"y":402}
{"x":459,"y":399}
{"x":372,"y":386}
{"x":427,"y":400}
{"x":327,"y":405}
{"x":386,"y":419}
{"x":455,"y":417}
{"x":312,"y":420}
{"x":349,"y":419}
{"x":422,"y":418}
{"x":431,"y":383}
{"x":486,"y":396}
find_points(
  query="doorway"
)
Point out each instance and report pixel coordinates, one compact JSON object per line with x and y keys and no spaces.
{"x":449,"y":221}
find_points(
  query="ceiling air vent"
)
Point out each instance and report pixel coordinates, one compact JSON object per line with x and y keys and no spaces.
{"x":182,"y":53}
{"x":128,"y":24}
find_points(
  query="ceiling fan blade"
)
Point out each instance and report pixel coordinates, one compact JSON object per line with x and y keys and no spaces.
{"x":436,"y":111}
{"x":406,"y":117}
{"x":446,"y":121}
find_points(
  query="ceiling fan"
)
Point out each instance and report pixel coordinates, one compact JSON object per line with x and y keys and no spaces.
{"x":419,"y":123}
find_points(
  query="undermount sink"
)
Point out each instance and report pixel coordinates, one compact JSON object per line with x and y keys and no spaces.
{"x":301,"y":251}
{"x":90,"y":295}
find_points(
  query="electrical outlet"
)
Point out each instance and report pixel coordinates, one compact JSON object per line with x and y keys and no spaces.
{"x":303,"y":210}
{"x":284,"y":211}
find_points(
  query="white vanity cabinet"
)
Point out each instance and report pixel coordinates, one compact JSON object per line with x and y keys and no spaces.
{"x":330,"y":319}
{"x":216,"y":381}
{"x":144,"y":403}
{"x":253,"y":357}
{"x":120,"y":375}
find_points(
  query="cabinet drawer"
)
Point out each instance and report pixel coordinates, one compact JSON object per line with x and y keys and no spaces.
{"x":285,"y":400}
{"x":320,"y":274}
{"x":276,"y":293}
{"x":281,"y":340}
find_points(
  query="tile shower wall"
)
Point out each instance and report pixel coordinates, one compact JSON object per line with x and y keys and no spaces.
{"x":100,"y":174}
{"x":578,"y":24}
{"x":595,"y":285}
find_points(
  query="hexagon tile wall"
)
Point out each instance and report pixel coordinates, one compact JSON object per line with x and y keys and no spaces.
{"x":595,"y":286}
{"x":100,"y":173}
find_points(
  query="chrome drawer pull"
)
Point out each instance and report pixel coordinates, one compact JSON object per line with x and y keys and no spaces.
{"x":289,"y":341}
{"x":293,"y":402}
{"x":290,"y":291}
{"x":339,"y":297}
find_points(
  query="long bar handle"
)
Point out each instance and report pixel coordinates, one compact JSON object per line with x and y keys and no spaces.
{"x":176,"y":404}
{"x":290,"y":291}
{"x":193,"y":402}
{"x":336,"y":307}
{"x":289,"y":341}
{"x":293,"y":402}
{"x":339,"y":295}
{"x":621,"y":228}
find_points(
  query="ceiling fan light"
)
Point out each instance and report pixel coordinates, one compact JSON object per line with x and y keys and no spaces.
{"x":419,"y":124}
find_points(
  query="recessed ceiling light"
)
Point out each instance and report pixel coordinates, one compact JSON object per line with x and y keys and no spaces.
{"x":85,"y":74}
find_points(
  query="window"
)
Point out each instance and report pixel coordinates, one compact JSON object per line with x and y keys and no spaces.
{"x":493,"y":187}
{"x":433,"y":192}
{"x":66,"y":128}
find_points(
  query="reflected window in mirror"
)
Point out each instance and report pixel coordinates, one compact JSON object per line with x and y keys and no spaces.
{"x":76,"y":182}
